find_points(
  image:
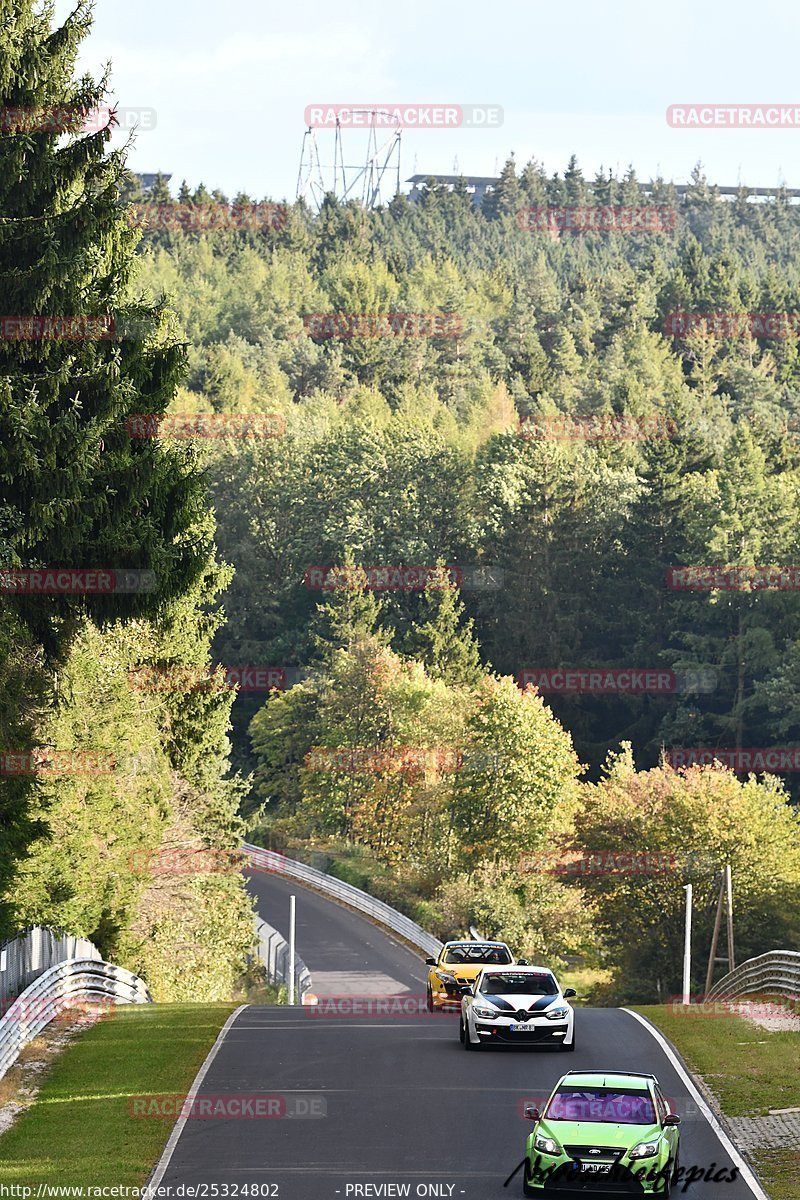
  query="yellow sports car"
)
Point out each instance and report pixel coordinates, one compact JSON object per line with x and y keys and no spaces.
{"x":458,"y":964}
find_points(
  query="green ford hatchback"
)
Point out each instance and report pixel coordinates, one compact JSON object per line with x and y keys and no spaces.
{"x":603,"y":1133}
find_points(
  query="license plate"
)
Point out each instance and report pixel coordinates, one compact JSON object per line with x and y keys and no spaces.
{"x":596,"y":1168}
{"x":522,"y":1027}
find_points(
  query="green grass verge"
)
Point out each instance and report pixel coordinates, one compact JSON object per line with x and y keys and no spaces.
{"x":779,"y":1171}
{"x":79,"y":1130}
{"x":749,"y":1070}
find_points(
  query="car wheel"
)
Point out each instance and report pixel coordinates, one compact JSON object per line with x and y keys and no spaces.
{"x":676,"y":1168}
{"x":527,"y":1185}
{"x":468,"y":1044}
{"x":571,"y":1046}
{"x":460,"y":1030}
{"x":429,"y":1000}
{"x":666,"y":1187}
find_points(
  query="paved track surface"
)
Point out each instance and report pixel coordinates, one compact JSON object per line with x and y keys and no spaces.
{"x":394,"y":1100}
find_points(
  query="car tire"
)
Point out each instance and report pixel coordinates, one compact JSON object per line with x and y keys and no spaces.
{"x":569,"y":1048}
{"x":460,"y":1030}
{"x":468,"y":1044}
{"x":429,"y":1000}
{"x":527,"y":1187}
{"x":676,"y":1168}
{"x":666,"y":1188}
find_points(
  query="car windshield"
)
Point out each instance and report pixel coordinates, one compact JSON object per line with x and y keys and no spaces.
{"x":477,"y":955}
{"x":606,"y":1106}
{"x":519,"y":984}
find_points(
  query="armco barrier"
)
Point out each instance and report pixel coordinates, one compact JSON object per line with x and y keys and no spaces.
{"x":83,"y":979}
{"x":273,"y":950}
{"x":345,"y":893}
{"x":31,"y":953}
{"x":777,"y":971}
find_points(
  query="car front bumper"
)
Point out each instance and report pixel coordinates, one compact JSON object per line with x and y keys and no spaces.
{"x":556,"y":1177}
{"x":544,"y":1032}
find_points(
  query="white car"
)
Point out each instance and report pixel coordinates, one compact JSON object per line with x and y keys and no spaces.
{"x":516,"y":1006}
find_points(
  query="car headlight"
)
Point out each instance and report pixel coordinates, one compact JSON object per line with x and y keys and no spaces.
{"x":445,"y":978}
{"x":644,"y":1150}
{"x":486,"y":1013}
{"x":557,"y":1014}
{"x":546,"y":1145}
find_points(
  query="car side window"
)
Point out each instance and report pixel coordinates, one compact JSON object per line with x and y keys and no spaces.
{"x":663,"y":1107}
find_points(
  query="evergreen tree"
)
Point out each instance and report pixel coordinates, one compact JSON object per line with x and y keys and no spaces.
{"x":506,"y":199}
{"x":443,"y":641}
{"x":76,"y":490}
{"x":79,"y":490}
{"x":350,"y":613}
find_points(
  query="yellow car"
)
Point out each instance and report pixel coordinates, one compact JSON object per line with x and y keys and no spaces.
{"x":459,"y":964}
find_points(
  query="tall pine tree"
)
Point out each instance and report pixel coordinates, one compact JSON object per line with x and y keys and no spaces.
{"x":76,"y":490}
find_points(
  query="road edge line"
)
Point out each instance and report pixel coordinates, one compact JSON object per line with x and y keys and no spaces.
{"x":745,"y":1170}
{"x":161,"y":1166}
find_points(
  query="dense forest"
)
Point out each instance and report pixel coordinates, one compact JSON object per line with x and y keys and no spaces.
{"x":419,"y":450}
{"x":532,"y":439}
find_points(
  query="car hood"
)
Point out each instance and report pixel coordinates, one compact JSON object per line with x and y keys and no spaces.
{"x":459,"y":971}
{"x":513,"y":1003}
{"x":598,"y":1133}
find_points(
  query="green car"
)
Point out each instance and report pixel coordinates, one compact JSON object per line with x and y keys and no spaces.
{"x":603,"y":1133}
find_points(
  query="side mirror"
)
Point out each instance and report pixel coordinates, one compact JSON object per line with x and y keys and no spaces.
{"x":532,"y":1113}
{"x":430,"y":962}
{"x":523,"y":962}
{"x":569,"y":992}
{"x":672,"y":1119}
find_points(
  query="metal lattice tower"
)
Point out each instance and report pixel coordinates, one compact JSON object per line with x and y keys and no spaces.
{"x":365,"y":181}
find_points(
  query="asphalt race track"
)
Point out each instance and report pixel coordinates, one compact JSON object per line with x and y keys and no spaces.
{"x":369,"y":1099}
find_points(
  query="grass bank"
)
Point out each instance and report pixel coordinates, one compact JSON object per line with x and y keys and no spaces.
{"x":80,"y":1131}
{"x":750,"y":1070}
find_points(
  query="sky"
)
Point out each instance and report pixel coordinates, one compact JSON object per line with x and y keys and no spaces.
{"x":229,"y":82}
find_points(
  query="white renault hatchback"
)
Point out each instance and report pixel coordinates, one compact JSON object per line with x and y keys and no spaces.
{"x":516,"y":1006}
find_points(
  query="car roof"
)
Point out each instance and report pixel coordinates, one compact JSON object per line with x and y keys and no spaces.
{"x":473,"y":942}
{"x":516,"y":969}
{"x":612,"y":1079}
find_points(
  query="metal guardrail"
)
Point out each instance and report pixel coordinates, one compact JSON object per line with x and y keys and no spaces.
{"x":273,"y":950}
{"x":777,"y":971}
{"x":345,"y":893}
{"x":31,"y":953}
{"x":56,"y":991}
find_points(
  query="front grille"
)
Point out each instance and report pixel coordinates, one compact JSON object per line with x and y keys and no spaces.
{"x":607,"y":1153}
